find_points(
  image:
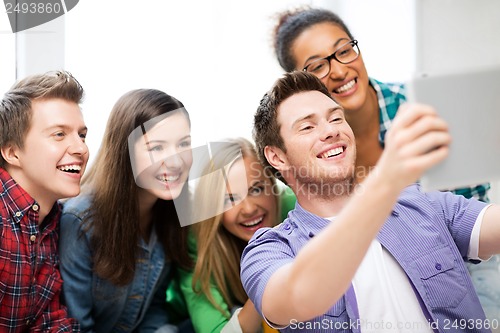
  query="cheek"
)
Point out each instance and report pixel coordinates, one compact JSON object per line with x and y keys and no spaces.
{"x":269,"y":202}
{"x":187,"y":158}
{"x":141,"y":163}
{"x":228,"y":220}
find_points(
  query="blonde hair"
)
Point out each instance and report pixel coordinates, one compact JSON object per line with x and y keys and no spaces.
{"x":219,"y":251}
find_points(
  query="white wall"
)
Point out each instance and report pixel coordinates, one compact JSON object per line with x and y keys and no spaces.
{"x":7,"y":55}
{"x":385,"y":30}
{"x":216,"y":56}
{"x":40,"y":48}
{"x":213,"y":55}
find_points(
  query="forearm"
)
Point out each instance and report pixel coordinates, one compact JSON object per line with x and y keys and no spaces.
{"x":489,"y":239}
{"x":324,"y":268}
{"x":249,"y":319}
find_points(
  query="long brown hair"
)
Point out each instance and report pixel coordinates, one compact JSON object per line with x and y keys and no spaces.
{"x":219,"y":251}
{"x":114,"y":213}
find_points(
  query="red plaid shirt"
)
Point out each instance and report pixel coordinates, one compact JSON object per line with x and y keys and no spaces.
{"x":30,"y":282}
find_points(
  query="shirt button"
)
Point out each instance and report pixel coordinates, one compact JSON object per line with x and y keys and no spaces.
{"x":438,"y":266}
{"x":287,"y":226}
{"x":33,"y":238}
{"x":35,"y":207}
{"x":18,"y":214}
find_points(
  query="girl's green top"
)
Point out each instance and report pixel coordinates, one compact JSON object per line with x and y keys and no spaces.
{"x":183,"y":302}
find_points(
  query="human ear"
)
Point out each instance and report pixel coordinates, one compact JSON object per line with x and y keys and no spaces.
{"x":9,"y":154}
{"x":276,"y":158}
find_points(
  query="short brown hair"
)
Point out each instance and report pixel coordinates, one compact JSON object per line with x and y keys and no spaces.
{"x":266,"y":129}
{"x":15,"y":106}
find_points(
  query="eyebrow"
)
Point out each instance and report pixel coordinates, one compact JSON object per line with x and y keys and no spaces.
{"x":257,"y":182}
{"x":63,"y":126}
{"x":163,"y":141}
{"x":314,"y":57}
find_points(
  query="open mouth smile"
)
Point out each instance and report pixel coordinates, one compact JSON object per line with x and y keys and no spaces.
{"x":345,"y":87}
{"x":71,"y":168}
{"x":332,"y":152}
{"x":253,"y":222}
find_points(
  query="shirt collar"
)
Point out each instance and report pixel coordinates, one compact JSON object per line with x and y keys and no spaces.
{"x":15,"y":198}
{"x":310,"y":224}
{"x":19,"y":202}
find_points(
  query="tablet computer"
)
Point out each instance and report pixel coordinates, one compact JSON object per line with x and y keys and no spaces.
{"x":469,"y":102}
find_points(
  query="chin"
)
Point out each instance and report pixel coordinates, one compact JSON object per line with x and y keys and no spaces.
{"x":68,"y":193}
{"x":170,"y":194}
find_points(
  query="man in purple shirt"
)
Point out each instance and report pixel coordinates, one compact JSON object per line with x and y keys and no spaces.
{"x":372,"y":257}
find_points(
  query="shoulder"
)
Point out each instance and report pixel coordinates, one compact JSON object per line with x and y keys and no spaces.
{"x":74,"y":211}
{"x":445,"y":202}
{"x":272,"y":242}
{"x":77,"y":205}
{"x":389,"y":88}
{"x":414,"y":195}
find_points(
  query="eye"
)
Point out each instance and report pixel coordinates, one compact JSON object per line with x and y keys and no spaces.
{"x":185,"y":144}
{"x":230,"y":200}
{"x":156,"y":148}
{"x":59,"y":135}
{"x":256,"y":190}
{"x":83,"y":136}
{"x":316,"y":67}
{"x":336,"y":119}
{"x":305,"y":128}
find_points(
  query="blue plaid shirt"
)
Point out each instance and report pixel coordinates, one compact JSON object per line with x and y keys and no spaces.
{"x":390,"y":97}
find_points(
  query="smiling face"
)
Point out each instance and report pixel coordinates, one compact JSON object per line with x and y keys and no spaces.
{"x":51,"y":163}
{"x":250,"y":205}
{"x":320,"y":146}
{"x":348,"y":83}
{"x":162,"y":157}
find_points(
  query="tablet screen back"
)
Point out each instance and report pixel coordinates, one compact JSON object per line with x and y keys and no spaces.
{"x":470,"y":103}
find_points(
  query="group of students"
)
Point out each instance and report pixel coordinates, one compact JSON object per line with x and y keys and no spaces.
{"x":114,"y":257}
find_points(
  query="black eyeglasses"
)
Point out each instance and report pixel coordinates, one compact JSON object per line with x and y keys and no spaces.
{"x":345,"y":54}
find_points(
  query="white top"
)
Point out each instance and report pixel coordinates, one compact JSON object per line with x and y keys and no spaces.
{"x":386,"y":300}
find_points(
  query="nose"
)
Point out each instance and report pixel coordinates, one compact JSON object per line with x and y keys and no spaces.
{"x":248,"y":207}
{"x":78,"y":146}
{"x":337,"y":70}
{"x":173,"y":161}
{"x":328,"y":130}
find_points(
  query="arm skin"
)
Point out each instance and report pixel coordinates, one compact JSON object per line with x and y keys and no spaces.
{"x":319,"y":276}
{"x":489,"y":238}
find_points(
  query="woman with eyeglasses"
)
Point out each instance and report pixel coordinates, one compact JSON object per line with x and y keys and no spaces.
{"x":318,"y":41}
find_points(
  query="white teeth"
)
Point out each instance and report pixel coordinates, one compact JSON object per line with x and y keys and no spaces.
{"x":345,"y":87}
{"x":253,"y":222}
{"x":332,"y":152}
{"x":73,"y":167}
{"x":169,"y":178}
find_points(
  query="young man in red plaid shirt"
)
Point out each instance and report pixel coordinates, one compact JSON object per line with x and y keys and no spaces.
{"x":43,"y":156}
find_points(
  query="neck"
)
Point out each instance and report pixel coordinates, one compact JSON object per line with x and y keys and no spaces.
{"x":327,"y":201}
{"x":44,"y":203}
{"x":366,"y":127}
{"x":362,"y":120}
